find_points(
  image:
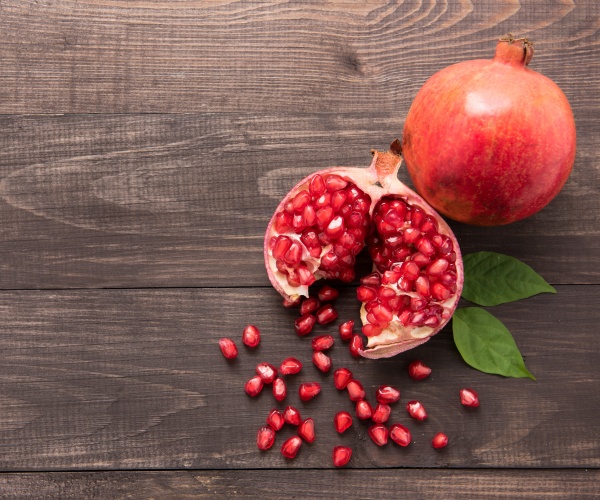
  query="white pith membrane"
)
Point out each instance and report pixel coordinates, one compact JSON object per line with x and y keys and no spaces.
{"x":387,"y":336}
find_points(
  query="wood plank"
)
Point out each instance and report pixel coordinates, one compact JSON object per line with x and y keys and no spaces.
{"x":133,"y":379}
{"x":164,"y":200}
{"x":155,"y":56}
{"x":309,"y":484}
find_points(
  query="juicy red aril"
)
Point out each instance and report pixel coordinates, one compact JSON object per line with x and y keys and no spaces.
{"x":290,"y":448}
{"x":322,"y":343}
{"x":440,"y":440}
{"x":400,"y":435}
{"x":275,"y":419}
{"x":279,"y":389}
{"x":306,"y":430}
{"x":291,"y":416}
{"x":365,"y":293}
{"x":387,"y":394}
{"x":228,"y":348}
{"x":416,"y":410}
{"x":327,"y":293}
{"x":304,"y":324}
{"x":355,"y":390}
{"x":346,"y":330}
{"x":468,"y":397}
{"x":326,"y":314}
{"x":290,"y":366}
{"x":267,"y":372}
{"x":309,"y":305}
{"x":363,"y":409}
{"x":254,"y":386}
{"x":321,"y":361}
{"x":251,"y":336}
{"x":265,"y":438}
{"x":290,"y":303}
{"x":309,"y":390}
{"x":342,"y":421}
{"x":341,"y":455}
{"x":381,"y":413}
{"x":417,"y":370}
{"x":341,"y":377}
{"x":356,"y":345}
{"x":379,"y":434}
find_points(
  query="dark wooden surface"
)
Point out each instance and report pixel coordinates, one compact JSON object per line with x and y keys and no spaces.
{"x":144,"y":146}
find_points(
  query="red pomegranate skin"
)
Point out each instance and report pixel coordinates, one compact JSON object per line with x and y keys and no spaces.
{"x":490,"y":142}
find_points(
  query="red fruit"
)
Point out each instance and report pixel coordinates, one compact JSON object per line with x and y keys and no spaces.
{"x":479,"y":148}
{"x":341,"y":377}
{"x":381,"y":413}
{"x":468,"y":397}
{"x":387,"y":394}
{"x":279,"y":389}
{"x":326,"y":314}
{"x":304,"y":324}
{"x":306,"y":430}
{"x":275,"y":419}
{"x":228,"y":348}
{"x":251,"y":336}
{"x":356,"y":345}
{"x":290,"y":366}
{"x":327,"y":294}
{"x":289,"y":303}
{"x":363,"y":409}
{"x":355,"y":390}
{"x":254,"y":386}
{"x":321,"y":361}
{"x":346,"y":330}
{"x":417,"y":370}
{"x":368,"y":207}
{"x":379,"y":434}
{"x":290,"y":448}
{"x":341,"y":455}
{"x":291,"y":415}
{"x":400,"y":435}
{"x":342,"y":421}
{"x":266,"y":372}
{"x":309,"y":305}
{"x":309,"y":390}
{"x":322,"y":343}
{"x":416,"y":410}
{"x":440,"y":440}
{"x":265,"y":438}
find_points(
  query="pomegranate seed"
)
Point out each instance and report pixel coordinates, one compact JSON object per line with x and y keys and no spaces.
{"x":416,"y":410}
{"x":355,"y":390}
{"x":468,"y":397}
{"x":265,"y":438}
{"x":292,"y":416}
{"x":324,"y":217}
{"x":309,"y":305}
{"x":275,"y":419}
{"x":437,"y":267}
{"x":290,"y":366}
{"x":267,"y":372}
{"x":327,"y":293}
{"x":381,"y":413}
{"x":306,"y":430}
{"x":440,"y":440}
{"x":294,"y":255}
{"x":347,"y":330}
{"x":317,"y":185}
{"x":335,"y":183}
{"x":290,"y":303}
{"x":322,"y":343}
{"x":341,"y":377}
{"x":251,"y":336}
{"x":341,"y":455}
{"x":400,"y":435}
{"x":254,"y":386}
{"x":422,"y":286}
{"x":301,"y":200}
{"x":371,"y":330}
{"x":279,"y":389}
{"x":282,"y":245}
{"x":387,"y":394}
{"x":379,"y":434}
{"x":309,"y":390}
{"x":321,"y":361}
{"x":228,"y":348}
{"x":356,"y":345}
{"x":371,"y":280}
{"x":365,"y":293}
{"x":304,"y":324}
{"x":439,"y":291}
{"x":342,"y":421}
{"x":417,"y":370}
{"x":290,"y":448}
{"x":326,"y":314}
{"x":305,"y":276}
{"x":363,"y":409}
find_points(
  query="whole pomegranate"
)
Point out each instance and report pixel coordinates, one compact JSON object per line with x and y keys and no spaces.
{"x":489,"y":142}
{"x":324,"y":222}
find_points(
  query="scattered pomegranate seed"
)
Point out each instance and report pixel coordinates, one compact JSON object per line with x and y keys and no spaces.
{"x":341,"y":455}
{"x":400,"y":435}
{"x":321,"y":361}
{"x":267,"y":372}
{"x":381,"y":413}
{"x":341,"y":377}
{"x":290,"y":448}
{"x":387,"y":394}
{"x":290,"y":303}
{"x":304,"y":324}
{"x":468,"y":397}
{"x":309,"y":305}
{"x":306,"y":430}
{"x":275,"y":419}
{"x":292,"y":416}
{"x":416,"y":410}
{"x":440,"y":440}
{"x":251,"y":336}
{"x":417,"y":370}
{"x":254,"y":386}
{"x":265,"y":438}
{"x":228,"y":348}
{"x":346,"y":330}
{"x":326,"y":314}
{"x":327,"y":293}
{"x":309,"y":390}
{"x":342,"y":421}
{"x":279,"y":389}
{"x":290,"y":366}
{"x":379,"y":434}
{"x":322,"y":343}
{"x":363,"y":409}
{"x":355,"y":390}
{"x":356,"y":345}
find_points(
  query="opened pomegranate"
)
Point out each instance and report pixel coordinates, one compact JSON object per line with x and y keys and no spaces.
{"x":323,"y":223}
{"x":489,"y":142}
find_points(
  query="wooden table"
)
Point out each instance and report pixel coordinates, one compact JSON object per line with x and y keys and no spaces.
{"x":143,"y":148}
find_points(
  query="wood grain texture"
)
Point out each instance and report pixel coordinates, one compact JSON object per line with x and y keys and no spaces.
{"x":134,"y":379}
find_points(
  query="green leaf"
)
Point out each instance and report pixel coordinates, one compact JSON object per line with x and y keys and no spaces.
{"x":486,"y":344}
{"x":493,"y":278}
